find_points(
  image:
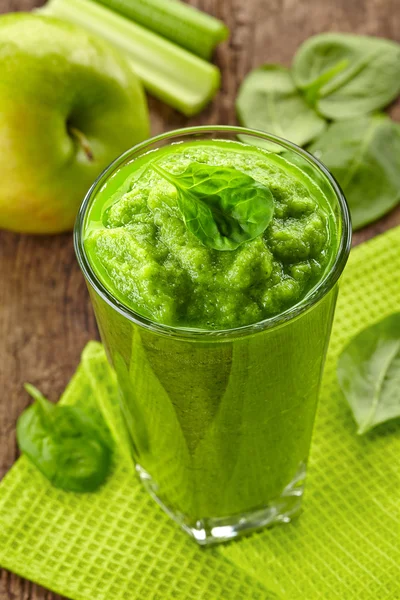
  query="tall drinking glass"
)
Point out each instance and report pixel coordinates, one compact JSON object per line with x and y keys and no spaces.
{"x":220,"y":422}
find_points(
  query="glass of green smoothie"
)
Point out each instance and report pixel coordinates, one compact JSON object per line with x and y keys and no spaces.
{"x":212,"y":257}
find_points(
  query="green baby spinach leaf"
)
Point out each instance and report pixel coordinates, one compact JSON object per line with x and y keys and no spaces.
{"x":345,"y":76}
{"x":369,"y":373}
{"x":221,"y":206}
{"x":268,"y":100}
{"x":364,"y":156}
{"x":64,"y":443}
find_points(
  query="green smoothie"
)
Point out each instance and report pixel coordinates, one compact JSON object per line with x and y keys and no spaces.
{"x":143,"y":252}
{"x":219,"y":401}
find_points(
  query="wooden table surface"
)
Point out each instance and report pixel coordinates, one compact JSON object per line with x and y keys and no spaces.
{"x":45,"y":314}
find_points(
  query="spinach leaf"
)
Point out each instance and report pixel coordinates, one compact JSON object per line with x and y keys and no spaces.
{"x":221,"y":206}
{"x":64,"y":443}
{"x":268,"y":100}
{"x":364,"y":156}
{"x":369,"y":373}
{"x":345,"y":76}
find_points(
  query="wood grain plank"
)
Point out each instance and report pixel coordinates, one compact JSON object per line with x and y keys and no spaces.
{"x":45,"y":315}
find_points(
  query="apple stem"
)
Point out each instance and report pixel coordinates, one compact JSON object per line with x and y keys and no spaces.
{"x":82,"y":141}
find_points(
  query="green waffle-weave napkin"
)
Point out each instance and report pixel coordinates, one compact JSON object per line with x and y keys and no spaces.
{"x":111,"y":545}
{"x":117,"y":544}
{"x":346,"y":544}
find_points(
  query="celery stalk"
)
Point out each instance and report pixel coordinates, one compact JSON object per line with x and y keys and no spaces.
{"x":175,"y":76}
{"x":179,"y":22}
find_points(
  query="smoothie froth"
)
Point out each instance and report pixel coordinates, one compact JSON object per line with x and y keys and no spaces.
{"x":143,"y":252}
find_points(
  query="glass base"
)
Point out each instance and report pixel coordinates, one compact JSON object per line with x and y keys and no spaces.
{"x":222,"y":529}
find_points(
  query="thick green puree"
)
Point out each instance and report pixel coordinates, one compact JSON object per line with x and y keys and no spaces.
{"x":141,"y":249}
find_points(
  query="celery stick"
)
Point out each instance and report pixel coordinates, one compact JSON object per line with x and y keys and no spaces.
{"x":170,"y":73}
{"x":183,"y":24}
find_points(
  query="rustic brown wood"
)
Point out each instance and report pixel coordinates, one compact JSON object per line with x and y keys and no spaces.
{"x":45,"y":315}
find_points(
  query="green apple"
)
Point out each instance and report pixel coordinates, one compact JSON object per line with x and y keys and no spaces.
{"x":69,"y":105}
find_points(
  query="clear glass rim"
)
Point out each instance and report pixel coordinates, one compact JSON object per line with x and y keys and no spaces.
{"x":317,"y":293}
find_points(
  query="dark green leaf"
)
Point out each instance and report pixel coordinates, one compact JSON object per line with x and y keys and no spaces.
{"x":221,"y":206}
{"x":269,"y":101}
{"x":364,"y":156}
{"x":347,"y":76}
{"x":369,"y":373}
{"x":64,"y":443}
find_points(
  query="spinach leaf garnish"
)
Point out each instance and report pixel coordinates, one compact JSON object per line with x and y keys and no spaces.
{"x":64,"y":443}
{"x":345,"y":76}
{"x":369,"y":373}
{"x":221,"y":206}
{"x":364,"y":156}
{"x":268,"y":100}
